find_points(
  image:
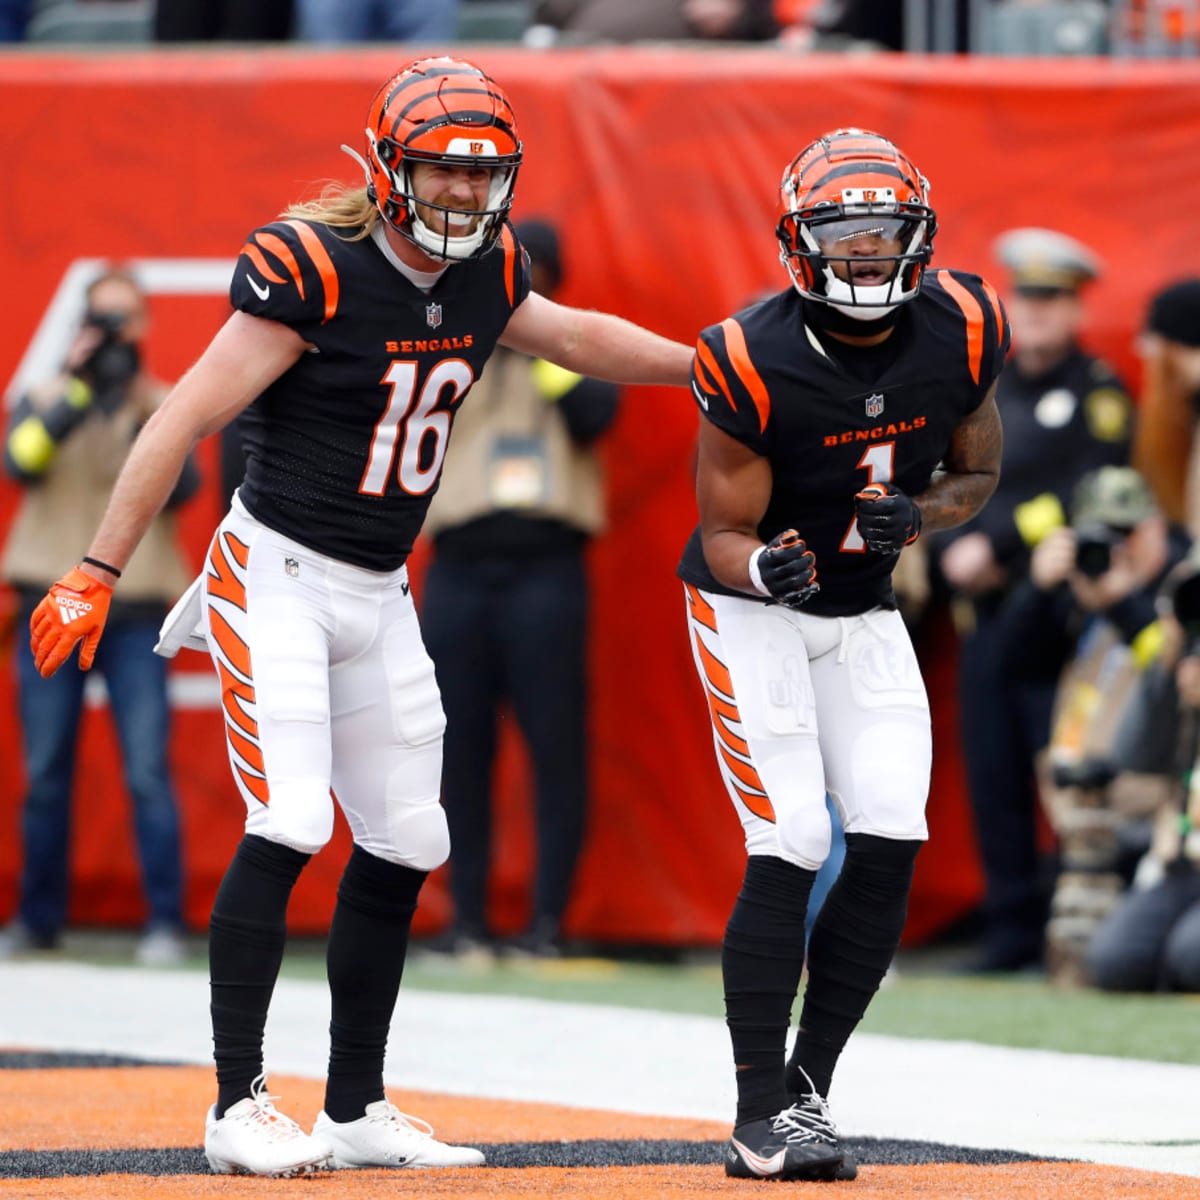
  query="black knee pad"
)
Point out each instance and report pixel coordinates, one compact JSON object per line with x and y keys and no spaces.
{"x":379,"y":888}
{"x":881,"y":866}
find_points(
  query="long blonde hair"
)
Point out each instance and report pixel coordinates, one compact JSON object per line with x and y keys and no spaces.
{"x":340,"y":206}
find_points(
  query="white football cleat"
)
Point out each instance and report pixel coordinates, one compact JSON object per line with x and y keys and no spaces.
{"x":386,"y":1137}
{"x":254,"y":1138}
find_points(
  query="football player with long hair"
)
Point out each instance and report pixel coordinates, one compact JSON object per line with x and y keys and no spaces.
{"x":841,"y":417}
{"x":361,"y":321}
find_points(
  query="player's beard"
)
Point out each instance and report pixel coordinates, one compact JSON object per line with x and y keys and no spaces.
{"x":438,"y":222}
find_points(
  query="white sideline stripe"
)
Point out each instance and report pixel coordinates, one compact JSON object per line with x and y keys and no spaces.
{"x":185,"y":690}
{"x":1105,"y":1110}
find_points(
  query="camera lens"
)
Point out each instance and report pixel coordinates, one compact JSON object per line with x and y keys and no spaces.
{"x":109,"y":322}
{"x":1093,"y":550}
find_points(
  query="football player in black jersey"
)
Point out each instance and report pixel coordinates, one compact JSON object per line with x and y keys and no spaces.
{"x":362,"y":320}
{"x":840,"y":418}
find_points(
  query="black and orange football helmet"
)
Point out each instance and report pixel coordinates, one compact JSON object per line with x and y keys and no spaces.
{"x":853,"y":184}
{"x":442,"y":110}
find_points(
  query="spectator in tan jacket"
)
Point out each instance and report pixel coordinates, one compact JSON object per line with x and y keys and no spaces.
{"x":66,"y":440}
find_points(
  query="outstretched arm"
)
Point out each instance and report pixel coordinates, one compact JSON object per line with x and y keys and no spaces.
{"x":247,"y":354}
{"x":596,"y":344}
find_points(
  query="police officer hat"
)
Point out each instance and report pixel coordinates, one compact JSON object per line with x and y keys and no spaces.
{"x":1044,"y":262}
{"x":1117,"y":497}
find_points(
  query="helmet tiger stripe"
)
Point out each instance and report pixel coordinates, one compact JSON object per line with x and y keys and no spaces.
{"x":441,"y":110}
{"x":854,"y":183}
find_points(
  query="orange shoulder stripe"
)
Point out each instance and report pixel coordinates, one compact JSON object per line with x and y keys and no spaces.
{"x":739,"y":356}
{"x":973,"y":312}
{"x":255,"y":255}
{"x":510,"y":262}
{"x":282,"y":251}
{"x":990,"y":292}
{"x":704,"y":356}
{"x":323,"y":263}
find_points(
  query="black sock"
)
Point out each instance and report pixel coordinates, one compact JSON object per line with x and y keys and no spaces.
{"x":368,"y":941}
{"x":761,"y":960}
{"x":853,"y":941}
{"x":247,"y":932}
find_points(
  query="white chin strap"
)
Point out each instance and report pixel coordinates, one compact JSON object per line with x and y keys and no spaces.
{"x":438,"y":246}
{"x":863,"y":303}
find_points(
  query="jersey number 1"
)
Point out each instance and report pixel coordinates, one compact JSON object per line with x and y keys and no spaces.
{"x":878,"y":462}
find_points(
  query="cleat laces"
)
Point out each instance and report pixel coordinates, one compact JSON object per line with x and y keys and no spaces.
{"x":272,"y":1124}
{"x":392,"y":1118}
{"x":812,"y":1113}
{"x":804,"y":1123}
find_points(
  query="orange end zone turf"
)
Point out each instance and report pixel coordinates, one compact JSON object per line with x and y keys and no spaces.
{"x":106,"y":1109}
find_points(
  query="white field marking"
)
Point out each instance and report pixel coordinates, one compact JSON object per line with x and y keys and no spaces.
{"x":1105,"y":1110}
{"x":186,"y":690}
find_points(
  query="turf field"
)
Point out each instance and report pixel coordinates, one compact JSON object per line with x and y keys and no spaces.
{"x":589,"y":1077}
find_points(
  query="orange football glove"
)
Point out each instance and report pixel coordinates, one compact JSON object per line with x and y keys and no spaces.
{"x":73,"y":610}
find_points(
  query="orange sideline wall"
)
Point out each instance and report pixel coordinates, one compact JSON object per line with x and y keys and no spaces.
{"x":662,"y":168}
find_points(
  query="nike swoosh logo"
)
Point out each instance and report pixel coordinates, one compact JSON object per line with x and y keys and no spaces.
{"x":701,"y":398}
{"x":261,"y":292}
{"x":758,"y":1164}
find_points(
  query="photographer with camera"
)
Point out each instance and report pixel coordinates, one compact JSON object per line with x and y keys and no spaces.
{"x":65,"y":442}
{"x":1086,"y":619}
{"x":1150,"y":940}
{"x":1064,"y":413}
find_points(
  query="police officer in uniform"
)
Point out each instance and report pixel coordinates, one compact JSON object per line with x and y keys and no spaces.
{"x":1065,"y":413}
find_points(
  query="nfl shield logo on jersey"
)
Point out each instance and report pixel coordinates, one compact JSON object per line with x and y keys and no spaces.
{"x":433,"y":315}
{"x":875,"y":404}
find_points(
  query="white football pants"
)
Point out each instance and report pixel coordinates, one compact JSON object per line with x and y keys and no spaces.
{"x":801,"y":704}
{"x":326,"y":685}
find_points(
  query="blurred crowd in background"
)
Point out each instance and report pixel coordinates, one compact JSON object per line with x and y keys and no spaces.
{"x":1025,"y":27}
{"x":1075,"y":595}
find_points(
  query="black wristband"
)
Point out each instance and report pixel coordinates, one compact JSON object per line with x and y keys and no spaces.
{"x":95,"y":562}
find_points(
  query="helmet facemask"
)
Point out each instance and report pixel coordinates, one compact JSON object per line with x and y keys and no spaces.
{"x":841,"y":220}
{"x":402,"y":208}
{"x":443,"y":111}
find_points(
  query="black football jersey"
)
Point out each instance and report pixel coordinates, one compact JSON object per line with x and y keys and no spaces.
{"x":345,"y":449}
{"x":764,"y":377}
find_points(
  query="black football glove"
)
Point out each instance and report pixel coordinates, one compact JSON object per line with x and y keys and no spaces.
{"x":887,"y":519}
{"x":787,"y":569}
